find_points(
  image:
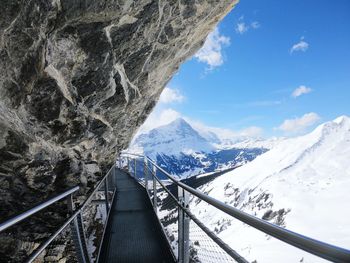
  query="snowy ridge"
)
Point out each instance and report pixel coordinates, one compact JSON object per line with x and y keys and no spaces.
{"x":302,"y":183}
{"x":258,"y":143}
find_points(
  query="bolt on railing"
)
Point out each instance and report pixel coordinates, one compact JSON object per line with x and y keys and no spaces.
{"x":172,"y":209}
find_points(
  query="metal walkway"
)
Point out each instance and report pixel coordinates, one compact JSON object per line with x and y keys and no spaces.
{"x":133,"y":232}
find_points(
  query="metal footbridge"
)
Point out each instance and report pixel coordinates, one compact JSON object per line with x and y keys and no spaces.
{"x":135,"y":215}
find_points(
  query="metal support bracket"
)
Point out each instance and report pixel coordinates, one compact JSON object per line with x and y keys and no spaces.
{"x":114,"y":179}
{"x":145,"y":171}
{"x":106,"y":195}
{"x":128,"y":163}
{"x":184,"y":227}
{"x":155,"y":189}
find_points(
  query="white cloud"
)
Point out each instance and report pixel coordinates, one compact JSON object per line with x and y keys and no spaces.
{"x":299,"y":124}
{"x":252,"y":131}
{"x":205,"y":130}
{"x":255,"y":24}
{"x":210,"y":53}
{"x":300,"y":46}
{"x":170,"y":95}
{"x":241,"y":28}
{"x":300,"y":91}
{"x":222,"y":133}
{"x":161,"y":114}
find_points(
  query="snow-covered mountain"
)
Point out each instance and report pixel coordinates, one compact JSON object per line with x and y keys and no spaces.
{"x":184,"y":152}
{"x":172,"y":139}
{"x":302,"y":184}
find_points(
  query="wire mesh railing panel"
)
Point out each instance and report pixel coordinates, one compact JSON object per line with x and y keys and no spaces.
{"x":131,"y":167}
{"x":203,"y":249}
{"x":135,"y":167}
{"x":140,"y":169}
{"x":122,"y":163}
{"x":95,"y":215}
{"x":95,"y":219}
{"x":149,"y":187}
{"x":167,"y":212}
{"x":62,"y":248}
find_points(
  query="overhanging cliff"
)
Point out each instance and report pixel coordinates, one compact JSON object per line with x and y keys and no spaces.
{"x":77,"y":78}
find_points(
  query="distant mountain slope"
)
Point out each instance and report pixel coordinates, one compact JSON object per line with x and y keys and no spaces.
{"x":184,"y":152}
{"x":302,"y":183}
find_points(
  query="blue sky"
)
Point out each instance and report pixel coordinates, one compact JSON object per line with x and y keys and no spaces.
{"x":263,"y":51}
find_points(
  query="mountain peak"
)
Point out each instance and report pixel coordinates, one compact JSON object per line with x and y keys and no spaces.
{"x":172,"y":139}
{"x":179,"y":126}
{"x":179,"y":122}
{"x":339,"y":124}
{"x":342,"y":119}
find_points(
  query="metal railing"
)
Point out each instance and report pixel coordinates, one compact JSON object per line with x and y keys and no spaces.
{"x":76,"y":224}
{"x":180,"y":226}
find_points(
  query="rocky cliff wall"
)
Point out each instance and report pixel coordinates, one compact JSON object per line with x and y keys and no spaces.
{"x":77,"y":78}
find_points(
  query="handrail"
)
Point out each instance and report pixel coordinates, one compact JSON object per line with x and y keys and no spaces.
{"x":12,"y":221}
{"x":313,"y":246}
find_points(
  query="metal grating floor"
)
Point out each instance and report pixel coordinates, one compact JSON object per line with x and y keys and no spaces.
{"x":133,"y":233}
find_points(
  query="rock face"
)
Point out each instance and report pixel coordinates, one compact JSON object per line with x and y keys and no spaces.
{"x":77,"y":78}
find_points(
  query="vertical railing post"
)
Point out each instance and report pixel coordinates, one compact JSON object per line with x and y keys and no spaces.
{"x":186,"y":231}
{"x":128,"y":163}
{"x":78,"y":234}
{"x":155,"y":189}
{"x":113,"y":175}
{"x":135,"y":163}
{"x":106,"y":194}
{"x":180,"y":246}
{"x":82,"y":235}
{"x":145,"y":171}
{"x":184,"y":227}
